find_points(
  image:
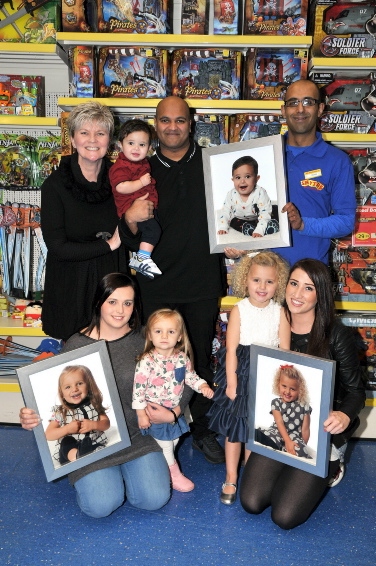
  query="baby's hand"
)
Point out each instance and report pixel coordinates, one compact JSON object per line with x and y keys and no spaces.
{"x":256,"y":235}
{"x":143,"y":421}
{"x":231,"y":392}
{"x":222,"y":232}
{"x":73,"y":427}
{"x":206,"y":391}
{"x":86,"y":426}
{"x":145,"y":179}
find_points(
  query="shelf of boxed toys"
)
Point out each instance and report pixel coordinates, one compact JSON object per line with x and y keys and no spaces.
{"x":350,"y":64}
{"x":133,"y":105}
{"x":172,"y":41}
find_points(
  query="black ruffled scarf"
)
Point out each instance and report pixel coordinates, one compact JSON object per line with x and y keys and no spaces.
{"x":82,"y":403}
{"x":80,"y":188}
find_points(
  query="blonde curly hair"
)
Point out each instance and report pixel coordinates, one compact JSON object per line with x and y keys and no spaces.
{"x":292,"y":373}
{"x":267,"y":259}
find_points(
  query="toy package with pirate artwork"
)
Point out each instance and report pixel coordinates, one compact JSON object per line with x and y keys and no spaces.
{"x":23,"y":95}
{"x":40,"y":26}
{"x":79,"y":15}
{"x":246,"y":127}
{"x":191,"y":17}
{"x":268,"y":72}
{"x":350,"y":101}
{"x":343,"y":29}
{"x":210,"y":129}
{"x":206,"y":73}
{"x":132,"y":72}
{"x":81,"y":71}
{"x":227,"y":17}
{"x":133,"y":16}
{"x":275,"y":17}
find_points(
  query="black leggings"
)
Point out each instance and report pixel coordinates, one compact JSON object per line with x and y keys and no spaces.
{"x":292,"y":493}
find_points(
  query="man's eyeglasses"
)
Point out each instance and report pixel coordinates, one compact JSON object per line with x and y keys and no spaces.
{"x":307,"y":101}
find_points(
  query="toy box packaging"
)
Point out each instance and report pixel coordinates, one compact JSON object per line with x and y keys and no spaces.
{"x":81,"y":71}
{"x":191,"y":17}
{"x":276,"y":17}
{"x":364,"y":328}
{"x":246,"y":127}
{"x":39,"y":27}
{"x":268,"y":72}
{"x":343,"y":29}
{"x":364,"y":163}
{"x":206,"y":73}
{"x":210,"y":129}
{"x":227,"y":17}
{"x":350,"y":101}
{"x":354,"y":271}
{"x":79,"y":15}
{"x":23,"y":95}
{"x":132,"y":72}
{"x":133,"y":16}
{"x":48,"y":156}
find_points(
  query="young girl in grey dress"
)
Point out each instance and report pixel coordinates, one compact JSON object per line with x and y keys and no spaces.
{"x":291,"y":411}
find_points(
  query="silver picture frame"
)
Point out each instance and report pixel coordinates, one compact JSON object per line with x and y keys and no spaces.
{"x":319,"y":377}
{"x":39,"y":387}
{"x":217,"y":164}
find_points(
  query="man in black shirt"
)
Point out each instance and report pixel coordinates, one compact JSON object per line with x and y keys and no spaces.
{"x":192,"y":279}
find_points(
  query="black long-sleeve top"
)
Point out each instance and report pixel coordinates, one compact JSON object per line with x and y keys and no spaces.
{"x":73,"y":212}
{"x":189,"y":272}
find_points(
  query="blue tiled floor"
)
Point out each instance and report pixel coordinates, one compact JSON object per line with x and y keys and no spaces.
{"x":41,"y":524}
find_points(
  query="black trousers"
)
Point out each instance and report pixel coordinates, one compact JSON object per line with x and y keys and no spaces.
{"x":200,"y":318}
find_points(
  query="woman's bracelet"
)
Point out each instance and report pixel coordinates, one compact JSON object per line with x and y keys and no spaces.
{"x":175,"y":417}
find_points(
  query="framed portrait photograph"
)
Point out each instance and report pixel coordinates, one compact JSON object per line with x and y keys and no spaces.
{"x":76,"y":397}
{"x":245,"y":190}
{"x":290,"y":396}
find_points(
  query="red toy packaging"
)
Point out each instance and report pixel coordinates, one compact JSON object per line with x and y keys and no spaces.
{"x":350,"y":101}
{"x":206,"y":73}
{"x":246,"y":127}
{"x":343,"y":29}
{"x":227,"y":18}
{"x":133,"y":16}
{"x":275,"y":17}
{"x":210,"y":129}
{"x":81,"y":71}
{"x":39,"y":27}
{"x":354,"y":270}
{"x":132,"y":72}
{"x":268,"y":72}
{"x":22,"y":95}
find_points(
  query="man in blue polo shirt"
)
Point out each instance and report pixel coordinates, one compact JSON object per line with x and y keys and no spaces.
{"x":320,"y":179}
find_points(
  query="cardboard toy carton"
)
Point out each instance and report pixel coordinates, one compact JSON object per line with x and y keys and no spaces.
{"x":210,"y":129}
{"x":133,"y":16}
{"x":268,"y":72}
{"x":40,"y":26}
{"x":206,"y":73}
{"x":350,"y":101}
{"x":279,"y":17}
{"x":246,"y":127}
{"x":343,"y":29}
{"x":132,"y":72}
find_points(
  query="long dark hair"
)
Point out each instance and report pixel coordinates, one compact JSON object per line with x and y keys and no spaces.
{"x":318,"y":272}
{"x":105,"y":288}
